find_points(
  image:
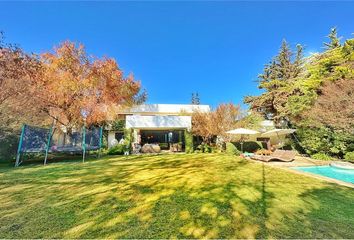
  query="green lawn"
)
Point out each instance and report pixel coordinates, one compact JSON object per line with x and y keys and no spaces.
{"x":170,"y":196}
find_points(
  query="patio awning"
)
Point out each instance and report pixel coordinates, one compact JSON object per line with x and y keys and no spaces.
{"x":278,"y":132}
{"x":242,"y":131}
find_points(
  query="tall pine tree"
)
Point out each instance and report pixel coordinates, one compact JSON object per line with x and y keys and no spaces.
{"x":195,"y":99}
{"x":334,"y":40}
{"x":276,"y":76}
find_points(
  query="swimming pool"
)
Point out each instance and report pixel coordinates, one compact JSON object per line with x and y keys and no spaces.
{"x":331,"y":172}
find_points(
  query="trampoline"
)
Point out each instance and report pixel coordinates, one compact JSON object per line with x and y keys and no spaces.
{"x":53,"y":140}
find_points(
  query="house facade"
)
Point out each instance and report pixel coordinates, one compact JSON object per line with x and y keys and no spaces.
{"x":162,"y":124}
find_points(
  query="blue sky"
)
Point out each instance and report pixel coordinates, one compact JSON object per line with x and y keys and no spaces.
{"x":176,"y":48}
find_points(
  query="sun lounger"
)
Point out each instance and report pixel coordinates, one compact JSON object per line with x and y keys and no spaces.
{"x":277,"y":155}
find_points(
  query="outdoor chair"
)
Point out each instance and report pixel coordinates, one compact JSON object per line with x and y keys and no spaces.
{"x":176,"y":147}
{"x":136,"y":148}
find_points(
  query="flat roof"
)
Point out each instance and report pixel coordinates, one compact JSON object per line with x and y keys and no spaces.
{"x":168,"y":108}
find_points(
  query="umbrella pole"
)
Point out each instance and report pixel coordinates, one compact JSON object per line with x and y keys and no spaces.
{"x":281,"y":143}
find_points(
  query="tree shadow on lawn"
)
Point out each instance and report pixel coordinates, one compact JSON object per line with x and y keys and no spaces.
{"x":187,"y":196}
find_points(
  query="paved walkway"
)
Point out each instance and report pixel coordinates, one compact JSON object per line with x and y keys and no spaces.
{"x":299,"y":162}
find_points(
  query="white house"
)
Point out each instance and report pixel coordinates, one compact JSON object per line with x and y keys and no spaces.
{"x":157,"y":123}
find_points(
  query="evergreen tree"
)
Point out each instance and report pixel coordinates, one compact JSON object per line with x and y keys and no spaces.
{"x":195,"y":99}
{"x":275,"y":79}
{"x":334,"y":40}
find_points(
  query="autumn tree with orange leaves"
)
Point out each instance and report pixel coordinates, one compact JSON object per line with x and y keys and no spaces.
{"x":17,"y":70}
{"x":335,"y":106}
{"x":215,"y":123}
{"x":70,"y":82}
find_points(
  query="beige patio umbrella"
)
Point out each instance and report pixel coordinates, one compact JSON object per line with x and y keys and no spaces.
{"x":278,"y":132}
{"x":243,"y":132}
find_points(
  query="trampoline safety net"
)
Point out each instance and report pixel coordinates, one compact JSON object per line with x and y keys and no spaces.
{"x":93,"y":138}
{"x":36,"y":140}
{"x":66,"y":142}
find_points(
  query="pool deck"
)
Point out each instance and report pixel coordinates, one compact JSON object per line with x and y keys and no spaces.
{"x":300,"y":162}
{"x":305,"y":162}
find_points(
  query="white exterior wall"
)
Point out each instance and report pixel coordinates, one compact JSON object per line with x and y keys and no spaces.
{"x":111,"y":138}
{"x":158,"y":122}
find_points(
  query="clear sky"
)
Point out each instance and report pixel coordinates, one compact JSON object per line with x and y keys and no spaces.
{"x":176,"y":48}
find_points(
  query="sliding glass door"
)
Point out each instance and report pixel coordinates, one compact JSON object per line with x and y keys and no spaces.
{"x":165,"y":138}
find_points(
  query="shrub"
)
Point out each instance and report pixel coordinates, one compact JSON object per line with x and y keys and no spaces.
{"x":231,"y":149}
{"x":128,"y":136}
{"x":104,"y":140}
{"x":204,"y":148}
{"x":216,"y":150}
{"x":188,"y":141}
{"x":118,"y":149}
{"x":251,"y":146}
{"x":321,"y":156}
{"x":325,"y":140}
{"x":8,"y":146}
{"x":349,"y":156}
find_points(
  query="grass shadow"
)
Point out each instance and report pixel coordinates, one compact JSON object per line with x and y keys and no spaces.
{"x":169,"y":196}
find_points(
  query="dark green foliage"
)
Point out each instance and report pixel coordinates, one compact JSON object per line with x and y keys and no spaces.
{"x":105,"y":140}
{"x":322,"y":156}
{"x":204,"y":148}
{"x":128,"y":136}
{"x":8,"y":146}
{"x":251,"y":146}
{"x":119,"y":149}
{"x":231,"y":149}
{"x":325,"y":140}
{"x":251,"y":121}
{"x":349,"y":156}
{"x":275,"y":79}
{"x":118,"y":125}
{"x":188,"y":141}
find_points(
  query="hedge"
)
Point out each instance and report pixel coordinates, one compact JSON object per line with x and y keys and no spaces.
{"x":231,"y":149}
{"x":188,"y":141}
{"x":251,"y":146}
{"x":128,"y":136}
{"x":8,"y":146}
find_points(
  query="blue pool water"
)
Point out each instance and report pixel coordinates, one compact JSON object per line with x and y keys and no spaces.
{"x":331,"y":172}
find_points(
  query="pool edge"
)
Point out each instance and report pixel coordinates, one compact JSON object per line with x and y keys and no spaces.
{"x":319,"y":177}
